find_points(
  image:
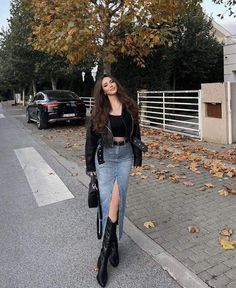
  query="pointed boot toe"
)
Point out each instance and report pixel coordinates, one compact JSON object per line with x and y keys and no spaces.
{"x":102,"y":279}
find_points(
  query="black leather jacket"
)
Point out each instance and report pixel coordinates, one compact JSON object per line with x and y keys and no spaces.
{"x":105,"y":139}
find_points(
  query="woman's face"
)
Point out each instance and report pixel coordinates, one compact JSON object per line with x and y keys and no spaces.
{"x":109,"y":86}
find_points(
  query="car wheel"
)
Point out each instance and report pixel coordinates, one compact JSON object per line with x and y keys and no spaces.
{"x":28,"y":119}
{"x":41,"y":123}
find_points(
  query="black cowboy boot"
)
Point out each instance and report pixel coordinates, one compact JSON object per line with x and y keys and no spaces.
{"x":114,"y":254}
{"x":105,"y":252}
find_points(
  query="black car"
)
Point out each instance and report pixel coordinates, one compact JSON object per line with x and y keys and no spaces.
{"x":55,"y":105}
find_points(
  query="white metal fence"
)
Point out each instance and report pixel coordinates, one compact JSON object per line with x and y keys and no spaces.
{"x":89,"y":102}
{"x":174,"y":111}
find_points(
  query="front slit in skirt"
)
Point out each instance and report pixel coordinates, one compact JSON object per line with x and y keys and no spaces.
{"x":117,"y":165}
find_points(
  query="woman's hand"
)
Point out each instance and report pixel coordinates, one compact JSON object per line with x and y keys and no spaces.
{"x":92,"y":173}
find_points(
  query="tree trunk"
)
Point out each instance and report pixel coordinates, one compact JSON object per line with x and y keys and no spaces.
{"x":14,"y":95}
{"x":174,"y":81}
{"x":23,"y":96}
{"x":54,"y":83}
{"x":107,"y":68}
{"x":34,"y":87}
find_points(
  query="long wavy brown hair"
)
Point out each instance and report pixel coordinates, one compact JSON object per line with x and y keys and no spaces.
{"x":102,"y":107}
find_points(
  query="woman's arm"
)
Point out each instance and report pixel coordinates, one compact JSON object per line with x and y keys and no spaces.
{"x":90,"y":149}
{"x":137,"y":152}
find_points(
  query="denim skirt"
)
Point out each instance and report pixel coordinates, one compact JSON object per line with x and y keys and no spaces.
{"x":117,"y":165}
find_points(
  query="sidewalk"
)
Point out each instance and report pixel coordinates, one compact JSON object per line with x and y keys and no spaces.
{"x":178,"y":189}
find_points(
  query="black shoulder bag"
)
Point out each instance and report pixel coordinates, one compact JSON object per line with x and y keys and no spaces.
{"x":94,"y":201}
{"x":93,"y":193}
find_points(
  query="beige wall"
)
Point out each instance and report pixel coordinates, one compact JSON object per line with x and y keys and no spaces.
{"x":233,"y":102}
{"x":230,"y":62}
{"x":214,"y":129}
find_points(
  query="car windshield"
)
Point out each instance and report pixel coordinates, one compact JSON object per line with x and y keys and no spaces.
{"x":62,"y":95}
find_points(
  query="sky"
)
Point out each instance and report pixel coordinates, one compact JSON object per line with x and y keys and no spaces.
{"x":211,"y":9}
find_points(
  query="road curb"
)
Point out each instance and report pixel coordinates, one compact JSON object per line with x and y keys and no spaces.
{"x":182,"y":275}
{"x":185,"y":277}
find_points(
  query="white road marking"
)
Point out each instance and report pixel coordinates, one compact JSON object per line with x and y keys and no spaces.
{"x":2,"y":116}
{"x":45,"y":184}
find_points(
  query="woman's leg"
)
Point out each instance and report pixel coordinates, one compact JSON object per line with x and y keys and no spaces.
{"x":114,"y":204}
{"x":113,"y":215}
{"x":110,"y":243}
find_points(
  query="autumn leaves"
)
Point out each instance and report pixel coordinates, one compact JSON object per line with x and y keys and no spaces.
{"x":189,"y":162}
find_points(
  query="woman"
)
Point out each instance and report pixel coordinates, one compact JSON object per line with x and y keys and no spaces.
{"x":109,"y":154}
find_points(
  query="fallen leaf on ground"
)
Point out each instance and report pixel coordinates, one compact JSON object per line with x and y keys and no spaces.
{"x":230,"y":174}
{"x":209,"y":185}
{"x":226,"y":232}
{"x":193,"y":167}
{"x":226,"y":244}
{"x":147,"y":167}
{"x":135,"y":173}
{"x":223,"y":192}
{"x":175,"y":178}
{"x":160,"y":177}
{"x":75,"y":174}
{"x":219,"y":174}
{"x":202,"y":189}
{"x":193,"y":229}
{"x":154,"y":144}
{"x":170,"y":166}
{"x":226,"y":191}
{"x":188,"y":183}
{"x":232,"y":191}
{"x":144,"y":177}
{"x":149,"y":224}
{"x":148,"y":155}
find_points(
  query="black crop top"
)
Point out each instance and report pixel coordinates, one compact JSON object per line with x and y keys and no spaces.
{"x":117,"y":126}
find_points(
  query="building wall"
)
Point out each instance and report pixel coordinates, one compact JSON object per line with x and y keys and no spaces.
{"x":230,"y":62}
{"x":233,"y":110}
{"x":214,"y":129}
{"x":220,"y":32}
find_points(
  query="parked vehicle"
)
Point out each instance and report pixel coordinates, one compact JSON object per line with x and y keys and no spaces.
{"x":55,"y":105}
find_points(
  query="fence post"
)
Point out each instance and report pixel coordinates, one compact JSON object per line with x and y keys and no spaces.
{"x":164,"y":112}
{"x":229,"y":113}
{"x":200,"y":113}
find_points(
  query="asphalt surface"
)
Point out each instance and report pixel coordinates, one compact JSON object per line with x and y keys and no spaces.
{"x":55,"y":245}
{"x":178,"y":187}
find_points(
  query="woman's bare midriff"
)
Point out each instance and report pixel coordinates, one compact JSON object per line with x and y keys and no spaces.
{"x":119,"y":139}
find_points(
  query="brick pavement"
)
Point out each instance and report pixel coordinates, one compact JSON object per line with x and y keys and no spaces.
{"x":175,"y":206}
{"x":170,"y":202}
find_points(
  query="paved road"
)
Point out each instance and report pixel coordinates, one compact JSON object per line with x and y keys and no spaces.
{"x":49,"y":240}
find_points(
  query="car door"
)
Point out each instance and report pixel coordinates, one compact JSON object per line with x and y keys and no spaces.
{"x":30,"y":107}
{"x":34,"y":105}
